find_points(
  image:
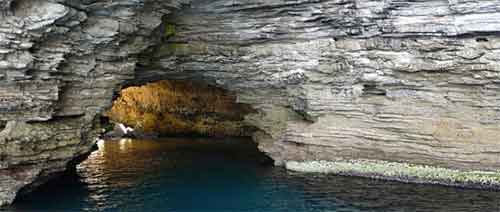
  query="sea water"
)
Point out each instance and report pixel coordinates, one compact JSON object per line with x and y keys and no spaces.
{"x":213,"y":174}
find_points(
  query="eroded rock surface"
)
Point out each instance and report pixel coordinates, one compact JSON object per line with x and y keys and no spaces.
{"x":60,"y":63}
{"x":399,"y":81}
{"x":386,"y":80}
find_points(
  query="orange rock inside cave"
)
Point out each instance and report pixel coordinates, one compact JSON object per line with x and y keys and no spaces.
{"x":180,"y":107}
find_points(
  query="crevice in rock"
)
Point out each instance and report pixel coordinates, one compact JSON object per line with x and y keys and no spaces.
{"x":482,"y":39}
{"x":371,"y":89}
{"x":6,"y":6}
{"x":56,"y":119}
{"x":3,"y":124}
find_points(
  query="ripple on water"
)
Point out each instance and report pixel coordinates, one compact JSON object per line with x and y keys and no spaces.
{"x":227,"y":175}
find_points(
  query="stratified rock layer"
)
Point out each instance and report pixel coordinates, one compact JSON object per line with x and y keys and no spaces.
{"x":60,"y":63}
{"x":399,"y":81}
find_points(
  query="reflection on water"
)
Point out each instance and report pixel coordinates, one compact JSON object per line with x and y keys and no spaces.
{"x":228,"y":175}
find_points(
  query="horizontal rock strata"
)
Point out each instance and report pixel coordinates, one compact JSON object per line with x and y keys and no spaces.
{"x":397,"y":81}
{"x":60,"y":64}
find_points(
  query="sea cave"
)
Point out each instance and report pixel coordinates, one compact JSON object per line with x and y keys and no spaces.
{"x":208,"y":91}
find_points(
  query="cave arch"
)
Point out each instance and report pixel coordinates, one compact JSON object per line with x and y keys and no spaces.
{"x":180,"y":107}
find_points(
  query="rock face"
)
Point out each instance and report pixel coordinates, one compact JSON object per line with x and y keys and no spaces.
{"x":400,"y":81}
{"x":385,"y":80}
{"x":60,"y":63}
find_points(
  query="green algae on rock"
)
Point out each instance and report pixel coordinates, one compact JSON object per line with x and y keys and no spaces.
{"x":169,"y":30}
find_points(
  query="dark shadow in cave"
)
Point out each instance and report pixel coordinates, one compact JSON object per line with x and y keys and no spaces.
{"x":3,"y":124}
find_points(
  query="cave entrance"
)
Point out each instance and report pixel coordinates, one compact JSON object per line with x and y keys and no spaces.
{"x":179,"y":108}
{"x":190,"y":139}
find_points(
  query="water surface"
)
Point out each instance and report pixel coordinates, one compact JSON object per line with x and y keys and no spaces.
{"x":188,"y":174}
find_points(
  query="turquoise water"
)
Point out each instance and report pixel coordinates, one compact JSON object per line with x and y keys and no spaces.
{"x":187,"y":174}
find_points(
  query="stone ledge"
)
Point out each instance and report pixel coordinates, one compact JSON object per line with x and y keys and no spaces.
{"x":402,"y":172}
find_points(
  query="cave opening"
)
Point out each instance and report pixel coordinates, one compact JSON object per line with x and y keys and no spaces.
{"x":185,"y":132}
{"x":169,"y":108}
{"x":183,"y":113}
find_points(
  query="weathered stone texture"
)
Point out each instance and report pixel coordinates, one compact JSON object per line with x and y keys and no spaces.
{"x":390,"y":80}
{"x":60,"y":63}
{"x":401,"y":81}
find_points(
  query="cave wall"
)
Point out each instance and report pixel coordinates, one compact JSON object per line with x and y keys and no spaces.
{"x":402,"y":81}
{"x":60,"y":64}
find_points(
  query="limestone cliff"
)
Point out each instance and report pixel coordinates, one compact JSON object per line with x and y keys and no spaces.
{"x":399,"y":81}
